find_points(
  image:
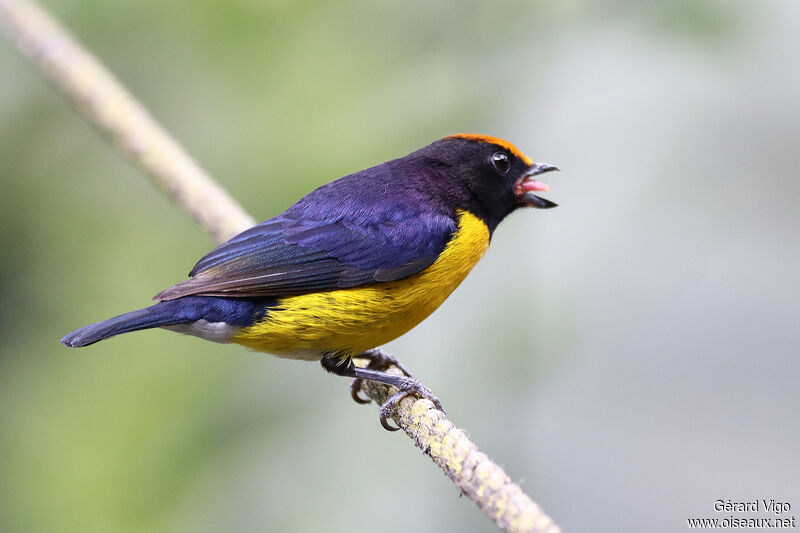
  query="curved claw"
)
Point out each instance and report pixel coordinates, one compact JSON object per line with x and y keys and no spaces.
{"x":355,"y":391}
{"x":386,"y":425}
{"x":388,"y":406}
{"x":407,"y":385}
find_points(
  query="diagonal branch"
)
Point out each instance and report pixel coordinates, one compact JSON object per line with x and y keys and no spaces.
{"x":105,"y":103}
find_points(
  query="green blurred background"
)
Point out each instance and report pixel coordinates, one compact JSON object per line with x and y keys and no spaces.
{"x":630,"y":357}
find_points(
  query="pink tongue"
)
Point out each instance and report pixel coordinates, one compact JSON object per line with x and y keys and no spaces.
{"x":529,"y":185}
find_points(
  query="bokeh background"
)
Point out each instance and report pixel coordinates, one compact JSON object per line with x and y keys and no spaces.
{"x":629,"y":357}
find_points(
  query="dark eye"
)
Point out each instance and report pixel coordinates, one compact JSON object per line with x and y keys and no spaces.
{"x":501,"y":162}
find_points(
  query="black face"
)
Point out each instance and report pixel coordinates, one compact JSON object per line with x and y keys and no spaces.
{"x":487,"y":179}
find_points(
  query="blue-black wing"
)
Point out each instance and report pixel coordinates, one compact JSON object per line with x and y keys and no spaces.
{"x":298,"y":252}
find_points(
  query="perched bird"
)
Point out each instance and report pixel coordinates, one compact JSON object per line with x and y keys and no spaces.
{"x":352,"y":265}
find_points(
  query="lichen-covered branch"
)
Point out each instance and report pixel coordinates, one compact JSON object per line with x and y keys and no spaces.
{"x":479,"y":478}
{"x":105,"y":103}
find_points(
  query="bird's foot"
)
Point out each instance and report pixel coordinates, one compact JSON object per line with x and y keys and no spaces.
{"x":375,"y":371}
{"x":378,"y":360}
{"x":382,"y":360}
{"x":408,"y":387}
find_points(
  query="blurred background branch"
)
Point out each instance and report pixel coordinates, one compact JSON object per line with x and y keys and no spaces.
{"x":104,"y":102}
{"x":107,"y":105}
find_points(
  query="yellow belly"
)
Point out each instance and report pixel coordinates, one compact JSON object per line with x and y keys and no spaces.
{"x":350,"y":321}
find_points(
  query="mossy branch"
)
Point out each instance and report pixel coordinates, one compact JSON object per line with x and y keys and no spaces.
{"x":106,"y":104}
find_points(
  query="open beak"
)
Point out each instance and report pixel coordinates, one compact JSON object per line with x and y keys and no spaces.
{"x":525,"y":186}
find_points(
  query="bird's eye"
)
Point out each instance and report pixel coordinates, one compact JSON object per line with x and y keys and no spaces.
{"x":501,"y":162}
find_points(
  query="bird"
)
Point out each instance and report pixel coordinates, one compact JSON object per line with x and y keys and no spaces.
{"x":352,"y":265}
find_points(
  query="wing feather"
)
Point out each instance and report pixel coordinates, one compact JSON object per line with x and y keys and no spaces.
{"x":368,"y":227}
{"x":284,"y":256}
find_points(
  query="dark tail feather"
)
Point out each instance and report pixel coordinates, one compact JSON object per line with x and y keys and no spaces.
{"x":150,"y":317}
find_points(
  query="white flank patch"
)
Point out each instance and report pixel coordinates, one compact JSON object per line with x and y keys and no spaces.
{"x":210,"y":331}
{"x":302,"y":355}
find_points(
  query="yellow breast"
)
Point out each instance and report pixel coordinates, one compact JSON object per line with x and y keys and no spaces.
{"x":350,"y":321}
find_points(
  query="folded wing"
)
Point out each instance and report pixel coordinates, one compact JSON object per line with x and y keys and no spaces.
{"x":290,"y":255}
